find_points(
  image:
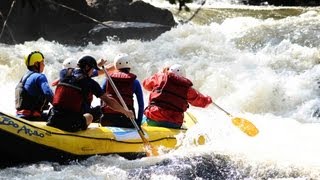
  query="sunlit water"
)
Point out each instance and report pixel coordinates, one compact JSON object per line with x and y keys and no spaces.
{"x":259,"y":63}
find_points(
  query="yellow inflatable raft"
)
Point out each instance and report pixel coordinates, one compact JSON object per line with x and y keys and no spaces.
{"x":24,"y":141}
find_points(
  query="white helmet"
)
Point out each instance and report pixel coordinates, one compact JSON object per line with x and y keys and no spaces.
{"x":70,"y":63}
{"x":122,"y":61}
{"x":178,"y":70}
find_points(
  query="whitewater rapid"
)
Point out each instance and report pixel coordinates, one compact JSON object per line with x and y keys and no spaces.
{"x":263,"y":69}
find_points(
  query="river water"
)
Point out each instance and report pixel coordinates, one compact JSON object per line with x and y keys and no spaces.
{"x":259,"y":63}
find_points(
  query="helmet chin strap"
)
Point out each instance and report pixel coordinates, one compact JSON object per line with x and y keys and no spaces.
{"x":37,"y":67}
{"x":87,"y":69}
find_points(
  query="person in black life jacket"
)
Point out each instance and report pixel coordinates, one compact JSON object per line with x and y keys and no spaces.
{"x":127,"y":85}
{"x":71,"y":63}
{"x":71,"y":102}
{"x":33,"y":93}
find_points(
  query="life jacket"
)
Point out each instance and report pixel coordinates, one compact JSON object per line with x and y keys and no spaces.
{"x":124,"y":83}
{"x":69,"y":96}
{"x":26,"y":104}
{"x":172,"y":93}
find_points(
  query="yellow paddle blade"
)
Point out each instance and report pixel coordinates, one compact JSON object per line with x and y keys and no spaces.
{"x":245,"y":126}
{"x":150,"y":150}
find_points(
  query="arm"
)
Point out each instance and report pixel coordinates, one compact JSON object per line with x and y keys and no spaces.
{"x":104,"y":85}
{"x":55,"y":82}
{"x":45,"y":88}
{"x":197,"y":99}
{"x":138,"y":92}
{"x":108,"y":67}
{"x":116,"y":106}
{"x":150,"y":82}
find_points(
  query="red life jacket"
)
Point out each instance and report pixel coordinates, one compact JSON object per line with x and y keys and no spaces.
{"x":68,"y":95}
{"x":124,"y":83}
{"x":172,"y":93}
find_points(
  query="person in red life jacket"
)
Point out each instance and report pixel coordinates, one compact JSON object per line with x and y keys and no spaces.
{"x":170,"y":95}
{"x":127,"y":85}
{"x":71,"y":102}
{"x":33,"y":93}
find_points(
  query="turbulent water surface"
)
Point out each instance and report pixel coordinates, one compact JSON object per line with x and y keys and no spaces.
{"x":260,"y":63}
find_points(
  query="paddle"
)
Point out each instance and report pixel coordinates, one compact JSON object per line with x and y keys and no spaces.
{"x":245,"y":125}
{"x":151,"y":151}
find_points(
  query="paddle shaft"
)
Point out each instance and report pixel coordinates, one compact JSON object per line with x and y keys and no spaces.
{"x":123,"y":103}
{"x":222,"y":109}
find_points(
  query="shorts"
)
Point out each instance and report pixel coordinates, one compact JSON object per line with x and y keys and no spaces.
{"x":66,"y":120}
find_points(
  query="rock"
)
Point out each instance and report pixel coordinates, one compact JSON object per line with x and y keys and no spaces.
{"x":125,"y":30}
{"x":75,"y":22}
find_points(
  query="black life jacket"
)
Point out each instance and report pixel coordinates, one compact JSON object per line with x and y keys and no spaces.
{"x":24,"y":101}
